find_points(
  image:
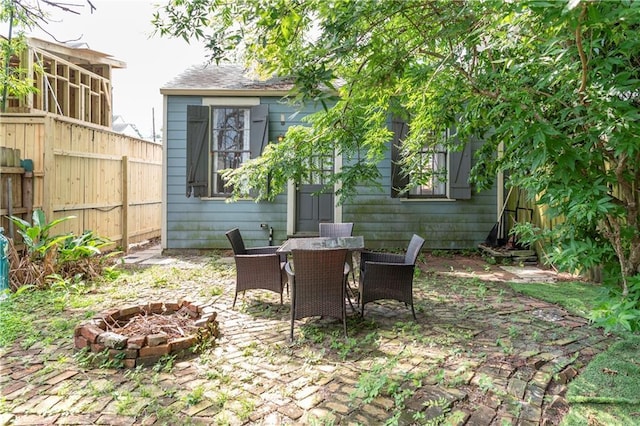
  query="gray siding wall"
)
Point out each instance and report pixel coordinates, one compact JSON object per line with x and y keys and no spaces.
{"x":196,"y":223}
{"x":385,"y":222}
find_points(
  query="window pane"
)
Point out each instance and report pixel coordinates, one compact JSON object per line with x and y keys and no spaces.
{"x":230,"y":129}
{"x":432,"y":181}
{"x":321,"y":170}
{"x":230,"y":148}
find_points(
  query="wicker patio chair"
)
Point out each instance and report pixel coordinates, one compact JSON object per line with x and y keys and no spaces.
{"x":256,"y":267}
{"x":389,"y":275}
{"x":327,"y":229}
{"x":317,"y":284}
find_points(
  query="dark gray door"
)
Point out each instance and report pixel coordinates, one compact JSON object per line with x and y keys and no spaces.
{"x":312,"y":205}
{"x":312,"y":208}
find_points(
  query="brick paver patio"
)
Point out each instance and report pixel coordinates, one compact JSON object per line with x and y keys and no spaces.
{"x":479,"y":354}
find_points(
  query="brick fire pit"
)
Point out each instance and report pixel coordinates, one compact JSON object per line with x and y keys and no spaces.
{"x":111,"y":331}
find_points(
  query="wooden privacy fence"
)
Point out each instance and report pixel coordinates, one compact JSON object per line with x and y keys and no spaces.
{"x":111,"y":182}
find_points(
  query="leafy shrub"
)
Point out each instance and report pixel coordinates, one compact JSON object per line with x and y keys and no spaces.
{"x":52,"y":258}
{"x":617,"y":312}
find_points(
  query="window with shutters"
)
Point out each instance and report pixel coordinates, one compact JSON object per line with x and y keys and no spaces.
{"x":431,"y":180}
{"x":220,"y":138}
{"x":229,"y":143}
{"x":444,"y":173}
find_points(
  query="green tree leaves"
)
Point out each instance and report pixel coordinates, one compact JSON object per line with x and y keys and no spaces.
{"x":553,"y":86}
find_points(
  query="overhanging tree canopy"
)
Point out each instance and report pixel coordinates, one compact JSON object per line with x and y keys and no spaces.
{"x":550,"y":85}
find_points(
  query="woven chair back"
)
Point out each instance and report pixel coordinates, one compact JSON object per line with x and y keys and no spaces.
{"x":319,"y":283}
{"x":335,"y":229}
{"x":415,"y":245}
{"x":237,"y":244}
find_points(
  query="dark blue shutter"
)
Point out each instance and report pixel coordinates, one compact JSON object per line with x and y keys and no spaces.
{"x":460,"y":164}
{"x":197,"y":150}
{"x":399,"y":179}
{"x":259,"y":130}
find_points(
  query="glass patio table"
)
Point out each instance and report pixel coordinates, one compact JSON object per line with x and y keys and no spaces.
{"x":355,"y":243}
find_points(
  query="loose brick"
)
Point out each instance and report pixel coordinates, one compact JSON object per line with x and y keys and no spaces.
{"x":77,"y":419}
{"x":567,"y":374}
{"x":182,"y":343}
{"x":114,"y":420}
{"x":136,"y":342}
{"x":78,"y":330}
{"x":149,"y":351}
{"x":130,"y":311}
{"x":91,"y":332}
{"x":34,"y":419}
{"x":171,"y":306}
{"x":482,"y":416}
{"x":112,"y":340}
{"x":128,"y":353}
{"x":202,"y":322}
{"x":80,"y":342}
{"x":294,"y":412}
{"x":111,"y":315}
{"x":47,"y":404}
{"x":530,"y":413}
{"x":205,"y":307}
{"x":155,"y":308}
{"x":534,"y":395}
{"x":196,"y":306}
{"x":96,"y":347}
{"x":100,"y":323}
{"x":157,"y":339}
{"x":27,"y":371}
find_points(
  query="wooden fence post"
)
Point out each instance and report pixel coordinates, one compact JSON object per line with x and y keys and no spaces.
{"x":125,"y":203}
{"x":49,"y":178}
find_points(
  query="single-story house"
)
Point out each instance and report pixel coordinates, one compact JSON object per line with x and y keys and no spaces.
{"x":217,"y":116}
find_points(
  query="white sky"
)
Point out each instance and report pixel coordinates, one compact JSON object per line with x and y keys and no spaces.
{"x":122,"y":29}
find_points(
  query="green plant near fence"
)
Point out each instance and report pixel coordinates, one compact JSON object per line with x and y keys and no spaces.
{"x":53,"y":257}
{"x":36,"y":235}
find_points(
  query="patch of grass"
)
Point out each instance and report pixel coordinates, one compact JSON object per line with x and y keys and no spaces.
{"x":247,"y":407}
{"x":166,"y":415}
{"x":384,"y":379}
{"x":220,"y":376}
{"x":195,"y":396}
{"x":250,"y":349}
{"x":125,"y":402}
{"x":351,"y":347}
{"x":165,"y":364}
{"x":87,"y":359}
{"x":21,"y":317}
{"x":599,"y":414}
{"x":577,"y":297}
{"x":607,"y":392}
{"x":612,"y":376}
{"x":213,"y":291}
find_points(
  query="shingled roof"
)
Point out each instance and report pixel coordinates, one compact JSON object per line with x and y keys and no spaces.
{"x":223,"y":79}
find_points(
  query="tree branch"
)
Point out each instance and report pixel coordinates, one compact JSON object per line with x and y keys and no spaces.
{"x":583,"y":56}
